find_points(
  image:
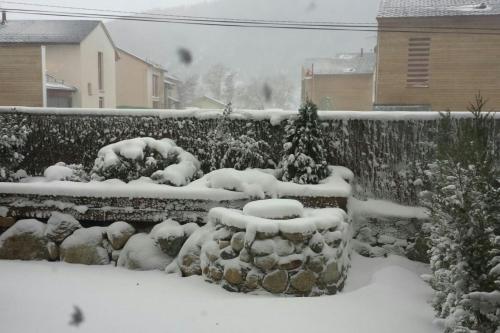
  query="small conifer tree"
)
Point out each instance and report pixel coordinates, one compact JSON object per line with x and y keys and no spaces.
{"x":304,"y":159}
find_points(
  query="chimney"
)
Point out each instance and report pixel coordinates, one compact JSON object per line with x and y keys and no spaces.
{"x":4,"y":17}
{"x":362,"y":52}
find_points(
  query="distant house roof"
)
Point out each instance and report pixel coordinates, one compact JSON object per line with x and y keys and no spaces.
{"x":345,"y":64}
{"x":47,"y":31}
{"x":433,"y":8}
{"x":146,"y":61}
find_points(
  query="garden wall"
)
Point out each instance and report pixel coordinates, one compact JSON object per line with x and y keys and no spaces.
{"x":383,"y":149}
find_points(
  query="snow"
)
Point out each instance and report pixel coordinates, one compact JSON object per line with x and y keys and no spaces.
{"x":4,"y":211}
{"x":382,"y":208}
{"x":219,"y":185}
{"x":381,"y":296}
{"x":274,"y":208}
{"x":30,"y":226}
{"x":316,"y":219}
{"x":254,"y":183}
{"x":276,"y":116}
{"x":141,"y":253}
{"x":57,"y":172}
{"x":85,"y":237}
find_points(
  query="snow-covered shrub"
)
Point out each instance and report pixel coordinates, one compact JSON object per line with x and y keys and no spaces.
{"x":162,"y":160}
{"x":228,"y":150}
{"x":13,"y":137}
{"x":304,"y":158}
{"x":463,"y":199}
{"x":246,"y":152}
{"x":66,"y":172}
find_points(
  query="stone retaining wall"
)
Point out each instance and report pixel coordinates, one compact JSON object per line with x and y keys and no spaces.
{"x":137,"y":211}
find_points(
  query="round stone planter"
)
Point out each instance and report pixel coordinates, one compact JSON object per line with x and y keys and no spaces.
{"x":307,"y":255}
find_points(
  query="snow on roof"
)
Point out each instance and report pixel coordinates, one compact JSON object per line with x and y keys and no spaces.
{"x":432,"y":8}
{"x":46,"y":31}
{"x":345,"y":63}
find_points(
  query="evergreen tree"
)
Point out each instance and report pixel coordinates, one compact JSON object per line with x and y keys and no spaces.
{"x":463,"y":199}
{"x":304,"y":159}
{"x":13,"y":137}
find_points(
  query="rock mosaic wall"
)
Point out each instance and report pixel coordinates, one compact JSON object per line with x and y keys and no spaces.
{"x":299,"y":261}
{"x":383,"y":153}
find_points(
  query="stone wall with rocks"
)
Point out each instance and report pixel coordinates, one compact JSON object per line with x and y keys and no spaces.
{"x":137,"y":211}
{"x":307,"y":256}
{"x":63,"y":238}
{"x":389,"y":234}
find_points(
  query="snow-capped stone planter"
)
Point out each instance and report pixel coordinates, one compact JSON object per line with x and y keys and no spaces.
{"x":308,"y":255}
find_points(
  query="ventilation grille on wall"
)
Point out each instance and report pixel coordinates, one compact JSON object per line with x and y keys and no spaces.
{"x":419,"y":50}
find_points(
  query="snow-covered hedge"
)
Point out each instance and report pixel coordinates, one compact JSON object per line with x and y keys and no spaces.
{"x":383,"y":149}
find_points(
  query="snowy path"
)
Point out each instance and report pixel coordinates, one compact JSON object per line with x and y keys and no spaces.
{"x":382,"y":295}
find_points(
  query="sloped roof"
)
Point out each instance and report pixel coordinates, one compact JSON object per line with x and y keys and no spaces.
{"x":145,"y":61}
{"x":433,"y":8}
{"x":345,"y":64}
{"x":46,"y":31}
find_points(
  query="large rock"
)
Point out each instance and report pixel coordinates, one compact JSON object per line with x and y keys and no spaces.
{"x":188,"y":259}
{"x":303,"y":281}
{"x":24,"y":241}
{"x":331,"y":274}
{"x":84,"y":246}
{"x":119,"y":233}
{"x":141,"y":253}
{"x":169,"y":236}
{"x":233,"y":275}
{"x":275,"y":282}
{"x":60,"y":226}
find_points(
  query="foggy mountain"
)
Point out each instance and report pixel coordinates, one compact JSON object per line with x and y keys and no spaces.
{"x":250,"y":52}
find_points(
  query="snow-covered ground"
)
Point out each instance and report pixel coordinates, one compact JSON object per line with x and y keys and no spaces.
{"x":381,"y":295}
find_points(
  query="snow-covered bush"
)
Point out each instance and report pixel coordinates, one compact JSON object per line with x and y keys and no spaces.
{"x":246,"y":152}
{"x":463,"y":199}
{"x":304,"y":158}
{"x":227,"y":150}
{"x":66,"y":172}
{"x":132,"y":159}
{"x":13,"y":137}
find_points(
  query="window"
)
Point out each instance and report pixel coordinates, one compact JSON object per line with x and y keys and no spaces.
{"x":89,"y":88}
{"x":100,"y":70}
{"x":101,"y":102}
{"x":156,"y":87}
{"x":419,"y":51}
{"x":156,"y":105}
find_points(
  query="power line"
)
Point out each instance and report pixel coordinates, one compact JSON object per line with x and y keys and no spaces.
{"x":246,"y":24}
{"x":191,"y":17}
{"x":249,"y":21}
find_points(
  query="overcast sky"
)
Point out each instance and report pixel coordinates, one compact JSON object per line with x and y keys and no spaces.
{"x":125,"y":5}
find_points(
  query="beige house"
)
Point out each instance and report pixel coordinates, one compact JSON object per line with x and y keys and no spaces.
{"x":77,"y":58}
{"x":171,"y":94}
{"x":140,"y":83}
{"x":437,"y":54}
{"x":341,"y":83}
